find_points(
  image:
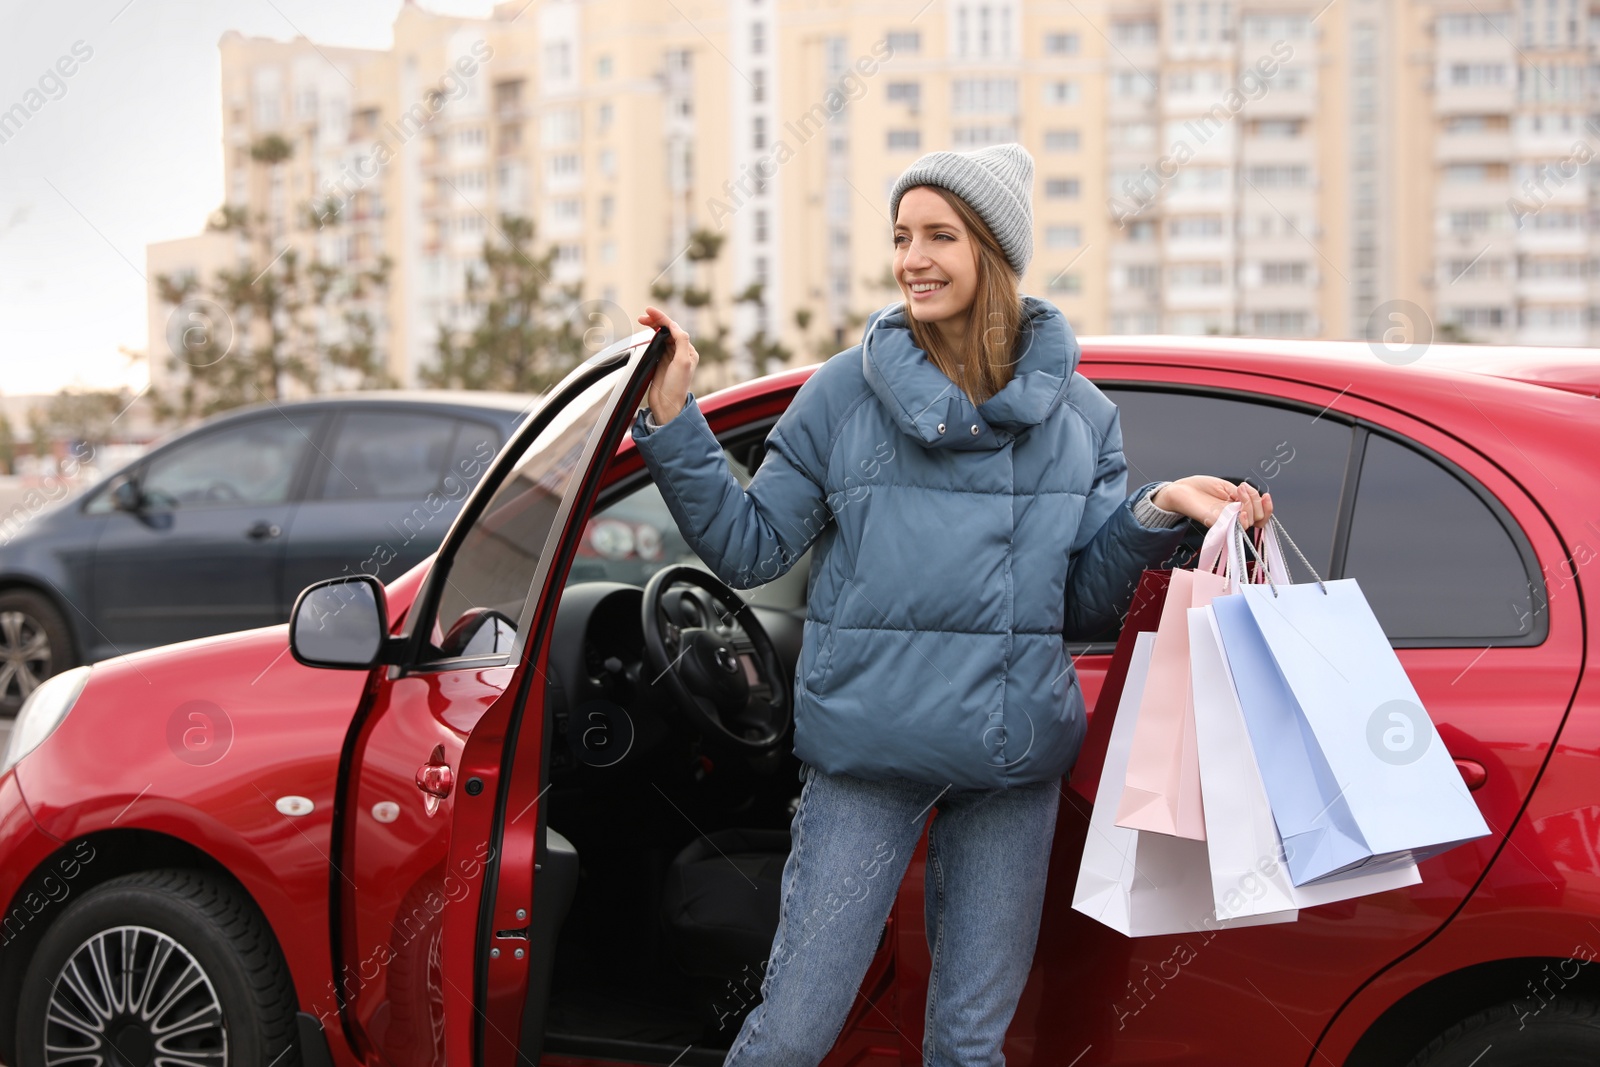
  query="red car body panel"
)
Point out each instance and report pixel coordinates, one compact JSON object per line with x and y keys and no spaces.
{"x":1527,"y":714}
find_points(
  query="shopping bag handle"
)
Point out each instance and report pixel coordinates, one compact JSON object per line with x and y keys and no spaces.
{"x":1227,"y":530}
{"x":1273,"y":563}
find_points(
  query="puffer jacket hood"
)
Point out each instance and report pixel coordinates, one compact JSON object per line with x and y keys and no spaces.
{"x":956,"y":546}
{"x":922,"y":399}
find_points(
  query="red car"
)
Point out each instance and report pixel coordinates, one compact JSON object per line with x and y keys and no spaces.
{"x":510,"y":810}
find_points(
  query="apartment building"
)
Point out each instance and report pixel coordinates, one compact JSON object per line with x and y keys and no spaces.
{"x":1290,"y":168}
{"x":1514,"y":236}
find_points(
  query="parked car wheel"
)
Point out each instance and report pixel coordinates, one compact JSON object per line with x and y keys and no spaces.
{"x":170,"y":967}
{"x":1558,"y":1033}
{"x":34,"y":644}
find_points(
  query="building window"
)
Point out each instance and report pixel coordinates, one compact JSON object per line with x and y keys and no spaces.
{"x":1279,"y":176}
{"x":907,"y":93}
{"x":561,"y":127}
{"x":1063,"y":237}
{"x":760,"y":227}
{"x":607,"y":114}
{"x":905,"y":140}
{"x":1066,"y":283}
{"x":1061,"y":140}
{"x":758,"y":132}
{"x":904,"y":42}
{"x":1140,"y":32}
{"x":1195,"y":275}
{"x":508,"y":95}
{"x":1276,"y":129}
{"x":1195,"y":226}
{"x":1475,"y":74}
{"x":981,"y":95}
{"x":1060,"y":44}
{"x":1061,"y":188}
{"x":1133,"y":85}
{"x":1143,"y":276}
{"x":758,"y":85}
{"x":1279,"y":323}
{"x":602,"y":67}
{"x":983,"y":136}
{"x":758,"y":38}
{"x":1061,"y":92}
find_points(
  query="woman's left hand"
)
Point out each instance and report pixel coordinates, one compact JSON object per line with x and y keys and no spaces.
{"x":1202,"y":498}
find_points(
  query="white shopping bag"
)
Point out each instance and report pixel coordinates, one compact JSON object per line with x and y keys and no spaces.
{"x":1137,"y":882}
{"x":1249,"y":872}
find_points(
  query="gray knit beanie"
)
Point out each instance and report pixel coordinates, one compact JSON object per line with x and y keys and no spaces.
{"x":996,"y":182}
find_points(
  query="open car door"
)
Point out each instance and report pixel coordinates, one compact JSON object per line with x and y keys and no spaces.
{"x":510,"y":885}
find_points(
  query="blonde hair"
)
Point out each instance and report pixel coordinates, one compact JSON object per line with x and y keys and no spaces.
{"x":983,"y":363}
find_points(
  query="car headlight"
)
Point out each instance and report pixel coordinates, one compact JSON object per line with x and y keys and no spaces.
{"x":41,"y":713}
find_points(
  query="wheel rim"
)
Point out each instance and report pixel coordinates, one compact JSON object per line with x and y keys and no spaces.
{"x":24,"y":655}
{"x":133,"y":997}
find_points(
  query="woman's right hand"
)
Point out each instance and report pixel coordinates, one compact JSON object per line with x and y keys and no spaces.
{"x":669,"y":386}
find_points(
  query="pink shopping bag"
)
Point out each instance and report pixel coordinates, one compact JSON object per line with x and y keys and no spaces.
{"x":1161,"y":793}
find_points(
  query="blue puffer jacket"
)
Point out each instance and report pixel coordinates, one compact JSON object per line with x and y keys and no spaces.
{"x":955,"y":547}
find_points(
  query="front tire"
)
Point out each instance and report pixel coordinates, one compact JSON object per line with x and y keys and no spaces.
{"x":174,"y":967}
{"x":1555,"y":1033}
{"x":34,"y":644}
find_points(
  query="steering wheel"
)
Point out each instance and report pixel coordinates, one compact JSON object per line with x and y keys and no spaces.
{"x":220,"y":492}
{"x":702,"y":669}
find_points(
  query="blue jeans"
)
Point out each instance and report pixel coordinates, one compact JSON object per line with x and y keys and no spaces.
{"x":988,"y":855}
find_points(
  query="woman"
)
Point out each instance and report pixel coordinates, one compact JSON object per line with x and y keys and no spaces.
{"x":966,"y":491}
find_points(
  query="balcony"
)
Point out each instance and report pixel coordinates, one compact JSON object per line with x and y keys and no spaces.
{"x":1200,"y":298}
{"x":1553,"y":290}
{"x":1300,"y":149}
{"x":1533,"y":240}
{"x":1490,"y":195}
{"x":1474,"y":99}
{"x":1489,"y":146}
{"x":1280,"y":103}
{"x":1210,"y":247}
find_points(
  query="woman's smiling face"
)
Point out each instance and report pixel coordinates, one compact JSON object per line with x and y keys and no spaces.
{"x":935,"y":258}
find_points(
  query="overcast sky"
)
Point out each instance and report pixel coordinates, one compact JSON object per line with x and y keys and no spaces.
{"x":125,"y":151}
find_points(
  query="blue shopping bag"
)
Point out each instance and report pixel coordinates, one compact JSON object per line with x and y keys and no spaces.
{"x":1356,"y":774}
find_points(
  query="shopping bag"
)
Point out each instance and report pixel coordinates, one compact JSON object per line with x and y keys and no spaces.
{"x":1138,"y":883}
{"x":1356,"y":775}
{"x":1144,"y":614}
{"x":1162,"y":790}
{"x":1249,"y":872}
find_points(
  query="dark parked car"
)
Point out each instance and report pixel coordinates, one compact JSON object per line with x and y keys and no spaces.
{"x":218,"y":528}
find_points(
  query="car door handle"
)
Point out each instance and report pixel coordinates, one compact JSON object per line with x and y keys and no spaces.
{"x":263,"y":531}
{"x":1472,"y":772}
{"x":434,"y":779}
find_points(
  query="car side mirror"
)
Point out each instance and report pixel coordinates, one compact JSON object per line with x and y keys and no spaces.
{"x":341,"y":623}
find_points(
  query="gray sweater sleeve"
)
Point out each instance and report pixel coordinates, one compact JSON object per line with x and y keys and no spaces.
{"x":1153,"y":518}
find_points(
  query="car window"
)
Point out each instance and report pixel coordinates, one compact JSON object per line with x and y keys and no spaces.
{"x":380,"y":454}
{"x":632,"y":538}
{"x":471,"y":452}
{"x":492,"y":570}
{"x":246,"y":465}
{"x":1432,"y":558}
{"x":1298,"y":456}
